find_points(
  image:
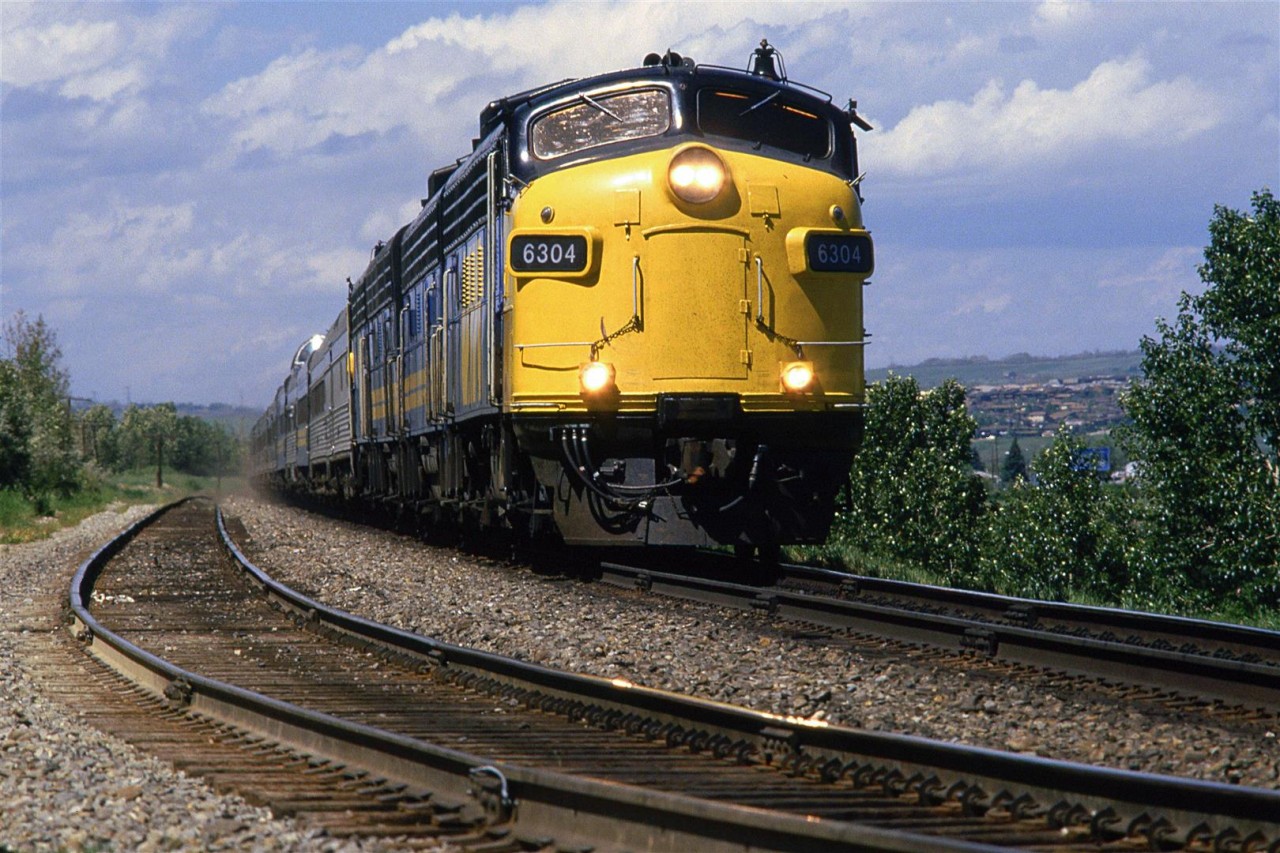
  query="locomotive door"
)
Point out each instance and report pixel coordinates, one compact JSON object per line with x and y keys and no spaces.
{"x":451,"y":343}
{"x":404,"y":365}
{"x":363,"y":413}
{"x":699,"y":303}
{"x":474,"y":294}
{"x":471,"y":371}
{"x":496,"y":228}
{"x":436,"y":356}
{"x":391,"y":360}
{"x":413,"y":377}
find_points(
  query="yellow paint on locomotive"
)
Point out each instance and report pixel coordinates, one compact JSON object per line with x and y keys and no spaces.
{"x":718,"y":302}
{"x":415,"y":390}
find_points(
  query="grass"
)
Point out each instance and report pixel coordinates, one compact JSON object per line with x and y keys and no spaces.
{"x":25,"y":520}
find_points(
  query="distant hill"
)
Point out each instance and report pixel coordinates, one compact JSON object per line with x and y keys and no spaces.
{"x":1020,"y":368}
{"x":239,"y":419}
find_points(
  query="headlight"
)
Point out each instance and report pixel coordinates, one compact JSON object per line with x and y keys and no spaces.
{"x":797,"y":375}
{"x":697,"y":175}
{"x":596,"y":377}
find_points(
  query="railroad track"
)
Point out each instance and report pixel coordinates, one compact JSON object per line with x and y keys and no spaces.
{"x":1181,"y":660}
{"x":426,"y":739}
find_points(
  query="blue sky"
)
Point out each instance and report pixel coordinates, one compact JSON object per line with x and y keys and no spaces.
{"x":186,"y":187}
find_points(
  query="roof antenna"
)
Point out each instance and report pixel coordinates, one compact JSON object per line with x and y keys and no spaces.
{"x":762,"y":62}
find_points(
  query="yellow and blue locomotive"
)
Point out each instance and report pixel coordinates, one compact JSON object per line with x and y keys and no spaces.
{"x":632,"y":314}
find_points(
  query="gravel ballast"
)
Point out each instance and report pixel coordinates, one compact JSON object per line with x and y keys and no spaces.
{"x":64,"y":786}
{"x":731,"y":656}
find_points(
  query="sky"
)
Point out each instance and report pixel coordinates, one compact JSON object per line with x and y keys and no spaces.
{"x":185,"y":187}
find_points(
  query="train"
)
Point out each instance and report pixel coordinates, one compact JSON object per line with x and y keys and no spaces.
{"x":631,"y":315}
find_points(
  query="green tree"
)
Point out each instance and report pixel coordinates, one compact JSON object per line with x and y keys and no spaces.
{"x":1241,"y":309}
{"x":913,"y":495}
{"x":1014,"y":465}
{"x":1206,"y":422}
{"x":129,"y":440}
{"x":98,"y":431}
{"x":1065,"y":536}
{"x":161,"y":429}
{"x":39,"y":455}
{"x":203,"y":448}
{"x":147,"y":434}
{"x":15,"y":431}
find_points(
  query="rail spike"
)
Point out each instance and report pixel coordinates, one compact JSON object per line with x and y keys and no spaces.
{"x":1104,"y":824}
{"x":179,"y":691}
{"x":974,"y":801}
{"x":1158,"y":832}
{"x":931,"y":791}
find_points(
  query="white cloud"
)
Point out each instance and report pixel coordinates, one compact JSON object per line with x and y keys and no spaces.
{"x":301,"y":100}
{"x":983,"y":302}
{"x":102,"y":60}
{"x":1160,"y":281}
{"x":552,"y":38}
{"x":436,"y":76}
{"x":329,"y":269}
{"x":105,"y":85}
{"x":128,"y":249}
{"x":157,"y":250}
{"x":381,"y":224}
{"x":1116,"y":104}
{"x":36,"y":52}
{"x":1058,"y":14}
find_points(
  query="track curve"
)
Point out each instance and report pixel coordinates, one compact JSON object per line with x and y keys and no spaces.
{"x":996,"y":811}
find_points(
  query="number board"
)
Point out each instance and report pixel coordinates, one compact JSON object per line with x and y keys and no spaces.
{"x":548,"y":253}
{"x":838,"y":252}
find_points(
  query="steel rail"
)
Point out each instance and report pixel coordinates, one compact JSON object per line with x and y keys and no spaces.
{"x":907,"y":762}
{"x":572,"y":810}
{"x":1213,"y":638}
{"x":1243,"y":682}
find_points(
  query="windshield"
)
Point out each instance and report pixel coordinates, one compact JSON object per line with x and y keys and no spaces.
{"x":764,"y":119}
{"x":594,"y":120}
